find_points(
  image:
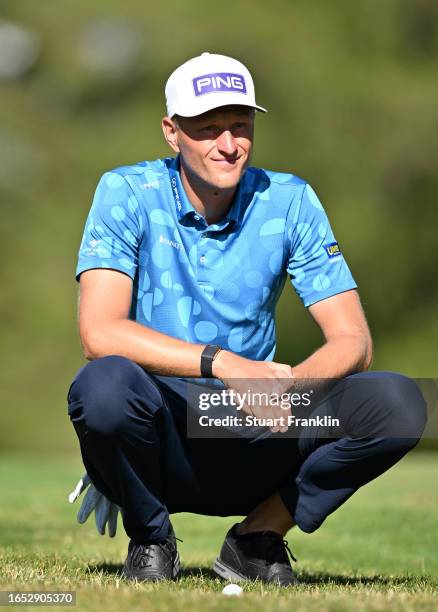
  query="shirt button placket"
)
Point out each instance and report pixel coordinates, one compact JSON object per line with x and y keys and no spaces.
{"x":202,"y":248}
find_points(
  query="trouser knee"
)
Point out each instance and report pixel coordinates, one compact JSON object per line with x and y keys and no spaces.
{"x":99,"y":395}
{"x":384,"y":405}
{"x":406,"y":407}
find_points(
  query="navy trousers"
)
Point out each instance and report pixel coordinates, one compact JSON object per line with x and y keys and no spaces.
{"x":132,"y":433}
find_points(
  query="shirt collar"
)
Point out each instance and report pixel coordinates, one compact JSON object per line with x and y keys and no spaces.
{"x":187,"y":215}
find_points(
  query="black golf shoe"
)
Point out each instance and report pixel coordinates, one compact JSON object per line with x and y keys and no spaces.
{"x":261,"y":555}
{"x":154,"y":561}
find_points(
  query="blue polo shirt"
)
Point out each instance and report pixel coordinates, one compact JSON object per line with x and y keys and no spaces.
{"x":214,"y":283}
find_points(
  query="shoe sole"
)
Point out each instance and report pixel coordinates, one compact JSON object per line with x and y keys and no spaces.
{"x":175,"y":571}
{"x":224,"y":571}
{"x":176,"y":566}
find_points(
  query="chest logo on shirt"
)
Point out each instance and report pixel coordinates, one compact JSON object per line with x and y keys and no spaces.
{"x":176,"y":245}
{"x":221,"y":81}
{"x":332,"y":249}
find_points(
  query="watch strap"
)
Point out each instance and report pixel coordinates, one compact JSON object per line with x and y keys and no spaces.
{"x":207,"y":358}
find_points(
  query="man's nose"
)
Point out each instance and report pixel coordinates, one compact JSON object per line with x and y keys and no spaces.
{"x":226,"y":143}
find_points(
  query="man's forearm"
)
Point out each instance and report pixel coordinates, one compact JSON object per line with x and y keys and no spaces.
{"x":338,"y":357}
{"x":156,"y":352}
{"x":163,"y":354}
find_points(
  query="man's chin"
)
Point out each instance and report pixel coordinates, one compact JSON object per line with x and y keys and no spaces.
{"x":226,"y":184}
{"x":227,"y":180}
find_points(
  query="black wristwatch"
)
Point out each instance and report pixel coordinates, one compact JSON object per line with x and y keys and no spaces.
{"x":207,"y":358}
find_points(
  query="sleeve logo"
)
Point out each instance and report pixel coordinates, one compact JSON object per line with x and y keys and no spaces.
{"x":332,"y":249}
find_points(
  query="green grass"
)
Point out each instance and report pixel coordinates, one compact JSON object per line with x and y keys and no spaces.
{"x":378,"y":552}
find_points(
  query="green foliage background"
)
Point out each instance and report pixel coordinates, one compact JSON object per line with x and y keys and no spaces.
{"x":352,"y":92}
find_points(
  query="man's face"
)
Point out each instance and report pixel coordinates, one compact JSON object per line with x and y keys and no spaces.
{"x":215,"y":147}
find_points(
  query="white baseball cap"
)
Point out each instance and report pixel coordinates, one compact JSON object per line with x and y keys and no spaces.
{"x":206,"y":82}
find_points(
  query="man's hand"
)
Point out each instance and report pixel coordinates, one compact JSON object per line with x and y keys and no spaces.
{"x":267,"y":378}
{"x":105,"y":511}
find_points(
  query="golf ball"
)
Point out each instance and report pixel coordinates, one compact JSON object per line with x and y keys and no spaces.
{"x":232,"y":589}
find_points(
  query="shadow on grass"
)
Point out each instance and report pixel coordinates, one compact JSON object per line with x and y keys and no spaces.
{"x":305,"y":578}
{"x":324,"y":578}
{"x":111,"y":569}
{"x":199,"y":572}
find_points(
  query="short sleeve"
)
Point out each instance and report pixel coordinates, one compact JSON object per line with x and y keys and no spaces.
{"x":113,"y":228}
{"x":316,"y":264}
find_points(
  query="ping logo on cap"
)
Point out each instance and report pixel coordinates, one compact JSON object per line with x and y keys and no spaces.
{"x":332,"y":249}
{"x":220,"y":81}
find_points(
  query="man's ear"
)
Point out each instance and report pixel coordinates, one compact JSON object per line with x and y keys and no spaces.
{"x":170,"y":129}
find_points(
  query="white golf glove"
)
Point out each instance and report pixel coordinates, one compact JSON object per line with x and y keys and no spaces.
{"x":105,"y":511}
